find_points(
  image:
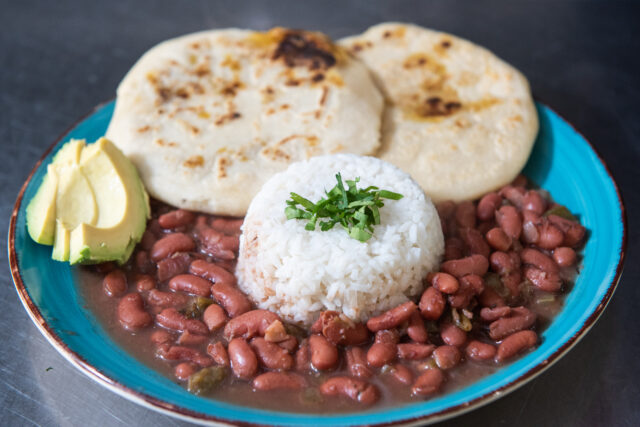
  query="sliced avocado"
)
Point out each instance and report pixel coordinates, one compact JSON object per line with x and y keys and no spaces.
{"x":41,"y":210}
{"x":91,"y":205}
{"x":75,"y":203}
{"x":61,"y":242}
{"x":122,"y":205}
{"x":69,"y":153}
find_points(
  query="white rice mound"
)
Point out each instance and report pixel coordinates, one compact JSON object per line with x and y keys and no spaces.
{"x":298,"y":273}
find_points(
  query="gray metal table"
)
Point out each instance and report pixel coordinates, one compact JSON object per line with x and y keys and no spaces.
{"x":59,"y":59}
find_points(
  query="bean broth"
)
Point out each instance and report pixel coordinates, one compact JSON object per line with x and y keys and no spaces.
{"x":530,"y":291}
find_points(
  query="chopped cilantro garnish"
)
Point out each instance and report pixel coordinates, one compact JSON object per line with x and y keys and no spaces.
{"x":356,"y":210}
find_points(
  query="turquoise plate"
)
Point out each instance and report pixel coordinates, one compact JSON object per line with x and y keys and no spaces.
{"x":562,"y":162}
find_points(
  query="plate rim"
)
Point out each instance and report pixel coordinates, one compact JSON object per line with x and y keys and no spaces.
{"x":171,"y":409}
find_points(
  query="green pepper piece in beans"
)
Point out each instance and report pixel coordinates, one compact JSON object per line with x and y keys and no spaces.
{"x":460,"y":320}
{"x":197,"y":307}
{"x":562,"y":212}
{"x":206,"y":379}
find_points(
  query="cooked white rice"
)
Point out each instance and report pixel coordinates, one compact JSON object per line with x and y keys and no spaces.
{"x":299,"y":273}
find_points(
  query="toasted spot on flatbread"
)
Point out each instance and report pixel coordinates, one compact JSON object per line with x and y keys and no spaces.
{"x":194,"y":161}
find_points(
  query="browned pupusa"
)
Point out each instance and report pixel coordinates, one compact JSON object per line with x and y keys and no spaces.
{"x":232,"y":107}
{"x":457,"y":118}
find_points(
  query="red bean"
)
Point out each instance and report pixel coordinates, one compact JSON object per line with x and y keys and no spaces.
{"x":171,"y":318}
{"x":465,"y":215}
{"x":490,"y":314}
{"x":191,"y":284}
{"x":353,"y":388}
{"x":114,"y":284}
{"x":176,"y":264}
{"x":383,"y":350}
{"x":412,"y":351}
{"x":170,"y":244}
{"x":514,"y":344}
{"x":131,"y":313}
{"x":428,"y":383}
{"x":543,"y":280}
{"x":487,"y":206}
{"x":432,"y":304}
{"x":278,"y":381}
{"x":212,"y":272}
{"x":218,"y":353}
{"x":271,"y":355}
{"x":498,"y":239}
{"x":290,"y":344}
{"x":518,"y":319}
{"x":445,"y":283}
{"x":504,"y":263}
{"x":480,"y":351}
{"x":144,"y":282}
{"x":534,"y":202}
{"x":184,"y":370}
{"x":474,"y":282}
{"x":475,"y":242}
{"x":402,"y":374}
{"x":549,"y":236}
{"x":202,"y":221}
{"x":187,"y":338}
{"x":227,"y":225}
{"x":175,"y":219}
{"x":416,"y":329}
{"x":573,"y":231}
{"x":452,"y":335}
{"x":462,"y":298}
{"x":564,"y":257}
{"x":446,"y":356}
{"x":250,"y":324}
{"x":508,"y":218}
{"x":217,"y":244}
{"x":324,"y":355}
{"x":357,"y":362}
{"x":339,"y":329}
{"x":178,"y":352}
{"x":231,"y":298}
{"x":214,"y":317}
{"x":392,"y":318}
{"x":513,"y":194}
{"x":244,"y":362}
{"x":539,"y":260}
{"x":166,"y":299}
{"x":474,"y":264}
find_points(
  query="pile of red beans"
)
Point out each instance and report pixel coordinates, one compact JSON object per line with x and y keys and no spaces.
{"x":498,"y":252}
